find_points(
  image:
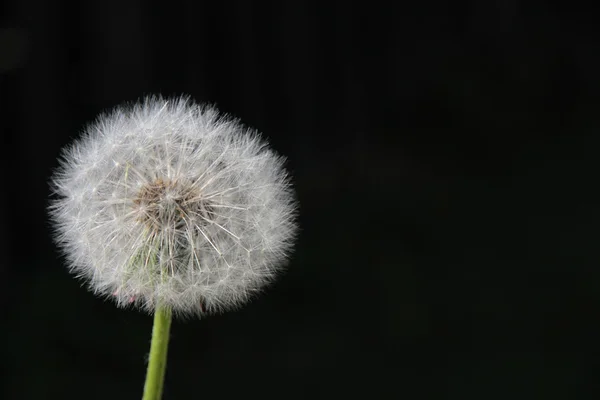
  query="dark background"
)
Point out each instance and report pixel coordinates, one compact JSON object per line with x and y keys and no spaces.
{"x":445,"y":159}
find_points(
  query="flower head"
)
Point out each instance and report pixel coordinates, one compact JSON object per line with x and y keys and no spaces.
{"x":168,"y":202}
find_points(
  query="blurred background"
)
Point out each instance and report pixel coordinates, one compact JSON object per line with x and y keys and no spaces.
{"x":445,"y":159}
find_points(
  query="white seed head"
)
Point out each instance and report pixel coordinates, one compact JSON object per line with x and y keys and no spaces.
{"x":168,"y":202}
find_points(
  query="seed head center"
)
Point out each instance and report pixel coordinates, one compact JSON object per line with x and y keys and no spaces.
{"x":165,"y":204}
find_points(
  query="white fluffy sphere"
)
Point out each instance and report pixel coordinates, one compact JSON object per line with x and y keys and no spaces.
{"x":168,"y":202}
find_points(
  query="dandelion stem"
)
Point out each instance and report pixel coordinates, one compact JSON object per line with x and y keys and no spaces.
{"x":157,"y":363}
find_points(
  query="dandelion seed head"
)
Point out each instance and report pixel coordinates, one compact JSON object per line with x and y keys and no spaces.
{"x":167,"y":201}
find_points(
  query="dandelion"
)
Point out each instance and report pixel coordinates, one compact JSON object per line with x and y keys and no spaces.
{"x":169,"y":206}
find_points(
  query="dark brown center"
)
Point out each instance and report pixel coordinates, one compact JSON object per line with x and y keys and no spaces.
{"x":168,"y":204}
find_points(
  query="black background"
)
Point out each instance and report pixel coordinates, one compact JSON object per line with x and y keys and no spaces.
{"x":445,"y":159}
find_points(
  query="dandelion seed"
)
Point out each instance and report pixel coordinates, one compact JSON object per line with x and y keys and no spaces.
{"x":167,"y":202}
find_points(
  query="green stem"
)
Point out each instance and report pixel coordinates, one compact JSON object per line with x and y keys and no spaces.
{"x":157,"y":363}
